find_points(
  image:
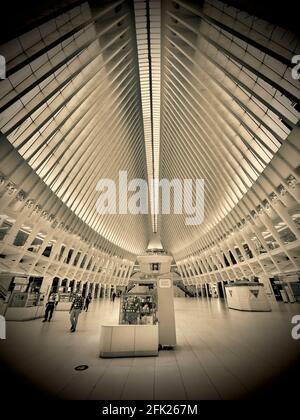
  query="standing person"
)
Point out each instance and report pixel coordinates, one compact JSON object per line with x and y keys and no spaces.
{"x":114,"y":296}
{"x":50,"y":305}
{"x":87,"y":302}
{"x":75,"y":310}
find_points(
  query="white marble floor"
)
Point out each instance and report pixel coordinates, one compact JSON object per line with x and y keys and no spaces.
{"x":221,"y":354}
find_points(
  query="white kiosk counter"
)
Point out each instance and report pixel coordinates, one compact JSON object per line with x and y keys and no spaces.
{"x":128,"y":340}
{"x":247,"y":296}
{"x":24,"y":314}
{"x":25,"y":306}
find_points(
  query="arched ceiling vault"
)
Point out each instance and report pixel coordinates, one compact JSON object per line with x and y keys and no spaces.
{"x":228,"y":104}
{"x":71,"y":108}
{"x":174,"y":89}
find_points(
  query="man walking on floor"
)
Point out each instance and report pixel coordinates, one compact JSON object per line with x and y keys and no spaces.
{"x":87,"y":301}
{"x":75,"y":310}
{"x":50,"y":307}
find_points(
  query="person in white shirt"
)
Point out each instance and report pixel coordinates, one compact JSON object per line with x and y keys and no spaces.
{"x":50,"y":306}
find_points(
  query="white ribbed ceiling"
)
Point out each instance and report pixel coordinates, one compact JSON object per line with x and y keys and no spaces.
{"x":74,"y":112}
{"x":148,"y":35}
{"x":228,"y":103}
{"x":173,"y":89}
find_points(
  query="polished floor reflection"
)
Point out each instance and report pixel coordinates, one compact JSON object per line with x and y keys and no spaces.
{"x":221,"y":354}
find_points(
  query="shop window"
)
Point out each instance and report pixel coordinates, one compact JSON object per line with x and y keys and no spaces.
{"x":47,"y":250}
{"x":89,"y":264}
{"x":83,"y":261}
{"x":35,"y":245}
{"x":258,"y":246}
{"x":21,"y":238}
{"x":270,"y":240}
{"x":63,"y":286}
{"x":226,"y":261}
{"x":69,"y":256}
{"x":35,"y":284}
{"x":286,"y":235}
{"x":295,"y":286}
{"x":247,"y":251}
{"x":71,"y":285}
{"x":62,"y":249}
{"x":233,"y":260}
{"x":6,"y":285}
{"x":4,"y":229}
{"x":239,"y":254}
{"x":272,"y":244}
{"x":54,"y":285}
{"x":296,"y":218}
{"x":76,"y":258}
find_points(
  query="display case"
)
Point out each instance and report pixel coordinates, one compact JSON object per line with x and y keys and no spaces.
{"x":128,"y":340}
{"x":138,"y":308}
{"x":23,"y":306}
{"x":137,"y":332}
{"x":65,"y":297}
{"x":25,"y":299}
{"x":64,"y":301}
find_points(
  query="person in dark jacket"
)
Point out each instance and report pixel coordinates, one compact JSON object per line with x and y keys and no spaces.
{"x":75,"y":310}
{"x":50,"y":306}
{"x":87,"y":302}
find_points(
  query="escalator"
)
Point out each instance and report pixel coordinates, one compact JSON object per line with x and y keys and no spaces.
{"x":188,"y":290}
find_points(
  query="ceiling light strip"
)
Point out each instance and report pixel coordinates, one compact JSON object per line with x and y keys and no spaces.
{"x":148,"y":33}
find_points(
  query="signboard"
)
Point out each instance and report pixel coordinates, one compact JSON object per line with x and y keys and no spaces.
{"x":21,"y":280}
{"x":154,"y":266}
{"x":165,"y":283}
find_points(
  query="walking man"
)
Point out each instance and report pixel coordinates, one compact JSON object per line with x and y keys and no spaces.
{"x":75,"y":310}
{"x":50,"y":307}
{"x":87,"y":301}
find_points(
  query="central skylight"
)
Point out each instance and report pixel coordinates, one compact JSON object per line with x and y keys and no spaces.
{"x":148,"y":33}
